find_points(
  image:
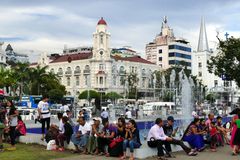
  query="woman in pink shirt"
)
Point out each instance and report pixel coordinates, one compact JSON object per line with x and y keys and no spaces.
{"x":20,"y":128}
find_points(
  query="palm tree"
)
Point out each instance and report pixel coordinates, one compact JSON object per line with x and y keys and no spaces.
{"x":21,"y":74}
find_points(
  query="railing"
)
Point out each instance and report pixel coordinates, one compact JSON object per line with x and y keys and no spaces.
{"x":77,"y":72}
{"x":60,"y":73}
{"x":68,"y":73}
{"x":86,"y":71}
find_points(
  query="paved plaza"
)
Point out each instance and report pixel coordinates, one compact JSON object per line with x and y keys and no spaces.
{"x":223,"y":153}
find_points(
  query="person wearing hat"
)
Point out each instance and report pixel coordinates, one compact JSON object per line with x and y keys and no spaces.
{"x":95,"y":133}
{"x":168,"y":130}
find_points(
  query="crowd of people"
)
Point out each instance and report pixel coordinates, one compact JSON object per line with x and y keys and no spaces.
{"x":100,"y":137}
{"x":11,"y":125}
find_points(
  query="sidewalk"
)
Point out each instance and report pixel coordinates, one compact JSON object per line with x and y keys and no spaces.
{"x":223,"y":153}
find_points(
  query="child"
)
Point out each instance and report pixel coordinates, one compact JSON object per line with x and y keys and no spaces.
{"x":214,"y":137}
{"x":64,"y":136}
{"x":20,"y":128}
{"x":223,"y":131}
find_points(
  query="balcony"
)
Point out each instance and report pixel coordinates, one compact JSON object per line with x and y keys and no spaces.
{"x":122,"y":73}
{"x":68,"y":73}
{"x":86,"y":71}
{"x":60,"y":74}
{"x":77,"y":72}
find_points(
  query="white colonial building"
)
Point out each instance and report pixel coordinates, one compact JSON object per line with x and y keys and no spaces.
{"x":227,"y":90}
{"x":166,"y":50}
{"x":98,"y":69}
{"x":2,"y":56}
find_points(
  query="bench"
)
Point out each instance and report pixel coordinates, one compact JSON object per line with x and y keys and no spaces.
{"x":141,"y":153}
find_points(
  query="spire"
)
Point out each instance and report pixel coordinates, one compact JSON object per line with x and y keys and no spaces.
{"x":202,"y":41}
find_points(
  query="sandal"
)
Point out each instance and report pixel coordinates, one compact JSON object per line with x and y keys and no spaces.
{"x":122,"y":158}
{"x":162,"y":158}
{"x":234,"y":154}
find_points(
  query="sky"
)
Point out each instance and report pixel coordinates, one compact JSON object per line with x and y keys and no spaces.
{"x":36,"y":26}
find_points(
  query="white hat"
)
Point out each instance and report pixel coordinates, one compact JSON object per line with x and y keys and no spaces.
{"x":97,"y":119}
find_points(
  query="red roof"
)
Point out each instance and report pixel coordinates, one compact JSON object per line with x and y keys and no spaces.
{"x":102,"y":21}
{"x":132,"y":59}
{"x":72,"y":57}
{"x":33,"y":64}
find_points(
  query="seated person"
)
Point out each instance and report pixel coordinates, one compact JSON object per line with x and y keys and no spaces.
{"x":223,"y":131}
{"x":121,"y":127}
{"x":95,"y":133}
{"x":20,"y":128}
{"x":193,"y":136}
{"x":80,"y":138}
{"x":214,"y":137}
{"x":156,"y":138}
{"x":64,"y":136}
{"x":132,"y":139}
{"x":168,"y":130}
{"x":108,"y":134}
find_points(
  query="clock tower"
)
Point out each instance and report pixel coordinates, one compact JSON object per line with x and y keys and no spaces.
{"x":101,"y":49}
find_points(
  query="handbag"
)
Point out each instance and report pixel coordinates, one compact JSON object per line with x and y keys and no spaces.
{"x":115,"y":141}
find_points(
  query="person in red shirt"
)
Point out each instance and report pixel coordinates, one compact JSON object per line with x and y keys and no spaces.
{"x":214,"y":137}
{"x":20,"y":128}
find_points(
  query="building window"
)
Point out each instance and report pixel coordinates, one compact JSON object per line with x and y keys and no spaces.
{"x":68,"y":81}
{"x":215,"y":83}
{"x":182,"y":48}
{"x":200,"y":65}
{"x":160,"y":51}
{"x":101,"y":67}
{"x":114,"y":80}
{"x":86,"y":80}
{"x":143,"y":82}
{"x":199,"y":74}
{"x":77,"y":81}
{"x":160,"y":58}
{"x":177,"y":62}
{"x":101,"y":80}
{"x":101,"y":39}
{"x":180,"y":55}
{"x":122,"y":80}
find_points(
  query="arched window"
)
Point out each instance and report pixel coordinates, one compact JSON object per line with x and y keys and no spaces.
{"x":77,"y":81}
{"x":52,"y":70}
{"x":122,"y":70}
{"x":68,"y":81}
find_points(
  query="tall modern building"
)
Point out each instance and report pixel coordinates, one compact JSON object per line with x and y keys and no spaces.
{"x":166,"y":50}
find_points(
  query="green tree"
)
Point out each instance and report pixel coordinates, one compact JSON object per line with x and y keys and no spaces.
{"x":132,"y":79}
{"x":113,"y":96}
{"x":89,"y":95}
{"x":56,"y":95}
{"x":227,"y":62}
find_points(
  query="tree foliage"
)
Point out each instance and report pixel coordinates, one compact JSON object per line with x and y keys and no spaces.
{"x":226,"y":62}
{"x":21,"y":79}
{"x":89,"y":95}
{"x":56,"y":95}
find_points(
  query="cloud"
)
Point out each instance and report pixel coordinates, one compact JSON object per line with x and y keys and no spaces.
{"x":45,"y":26}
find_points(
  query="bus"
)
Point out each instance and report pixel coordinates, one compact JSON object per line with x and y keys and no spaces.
{"x":30,"y":101}
{"x":158,"y":108}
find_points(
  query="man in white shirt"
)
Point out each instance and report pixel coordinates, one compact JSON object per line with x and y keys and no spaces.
{"x":104,"y":115}
{"x":128,"y":114}
{"x":80,"y":138}
{"x":44,"y":114}
{"x":156,"y":138}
